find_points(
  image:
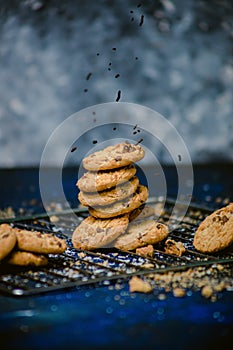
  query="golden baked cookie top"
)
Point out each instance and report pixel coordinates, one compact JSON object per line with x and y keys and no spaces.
{"x":216,"y":231}
{"x":95,"y":233}
{"x":93,"y":181}
{"x":112,"y":157}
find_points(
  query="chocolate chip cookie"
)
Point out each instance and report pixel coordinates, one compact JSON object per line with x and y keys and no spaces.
{"x":121,"y":207}
{"x":7,"y":240}
{"x":141,"y":234}
{"x":216,"y":231}
{"x":22,"y":258}
{"x":37,"y":242}
{"x":98,"y":233}
{"x":102,"y":180}
{"x":110,"y":196}
{"x":113,"y":157}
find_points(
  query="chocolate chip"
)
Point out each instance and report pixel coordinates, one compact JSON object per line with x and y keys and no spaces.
{"x":224,"y":219}
{"x":128,"y":148}
{"x":118,"y":95}
{"x":118,"y":158}
{"x":139,"y":141}
{"x":88,"y":76}
{"x":141,"y":20}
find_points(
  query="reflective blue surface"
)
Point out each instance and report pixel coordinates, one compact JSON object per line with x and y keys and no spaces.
{"x":106,"y":317}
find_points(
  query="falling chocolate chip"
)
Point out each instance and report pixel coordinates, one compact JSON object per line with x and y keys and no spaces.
{"x":136,"y":58}
{"x":131,"y":11}
{"x":85,"y":90}
{"x":110,"y":63}
{"x":179,"y":157}
{"x":97,"y":54}
{"x":132,"y":19}
{"x":73,"y":149}
{"x":139,"y":5}
{"x":94,"y":142}
{"x":118,"y":95}
{"x":117,"y":76}
{"x":114,"y":128}
{"x":139,"y":141}
{"x":88,"y":76}
{"x":94,"y":113}
{"x":114,"y":49}
{"x":141,"y":20}
{"x":135,"y":126}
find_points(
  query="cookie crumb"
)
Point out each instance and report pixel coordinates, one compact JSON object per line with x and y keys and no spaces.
{"x":54,"y":218}
{"x":179,"y":292}
{"x":207,"y":291}
{"x":7,"y":213}
{"x":136,"y":284}
{"x":174,"y":248}
{"x":147,"y":251}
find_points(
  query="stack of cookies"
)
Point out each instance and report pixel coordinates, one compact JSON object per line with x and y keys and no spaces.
{"x":112,"y":192}
{"x":28,"y":248}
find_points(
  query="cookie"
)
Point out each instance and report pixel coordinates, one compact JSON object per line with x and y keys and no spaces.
{"x":27,"y":259}
{"x":113,"y":157}
{"x":216,"y":231}
{"x":37,"y":242}
{"x":103,"y":180}
{"x":109,"y":196}
{"x":141,"y":234}
{"x":97,"y":233}
{"x":121,"y":207}
{"x":7,"y":240}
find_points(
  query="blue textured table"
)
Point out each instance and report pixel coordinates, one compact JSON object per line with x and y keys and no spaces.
{"x":109,"y":316}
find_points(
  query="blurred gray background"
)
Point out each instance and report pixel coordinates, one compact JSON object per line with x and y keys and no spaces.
{"x":58,"y":57}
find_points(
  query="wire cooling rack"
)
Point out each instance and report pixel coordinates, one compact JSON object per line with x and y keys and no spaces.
{"x":75,"y":268}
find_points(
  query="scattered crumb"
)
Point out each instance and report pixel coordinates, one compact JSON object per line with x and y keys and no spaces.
{"x":173,"y":247}
{"x":7,"y":213}
{"x":208,"y":280}
{"x":179,"y":292}
{"x":146,"y":251}
{"x":162,"y":296}
{"x":54,"y":218}
{"x":207,"y":292}
{"x":147,"y":266}
{"x":136,"y":284}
